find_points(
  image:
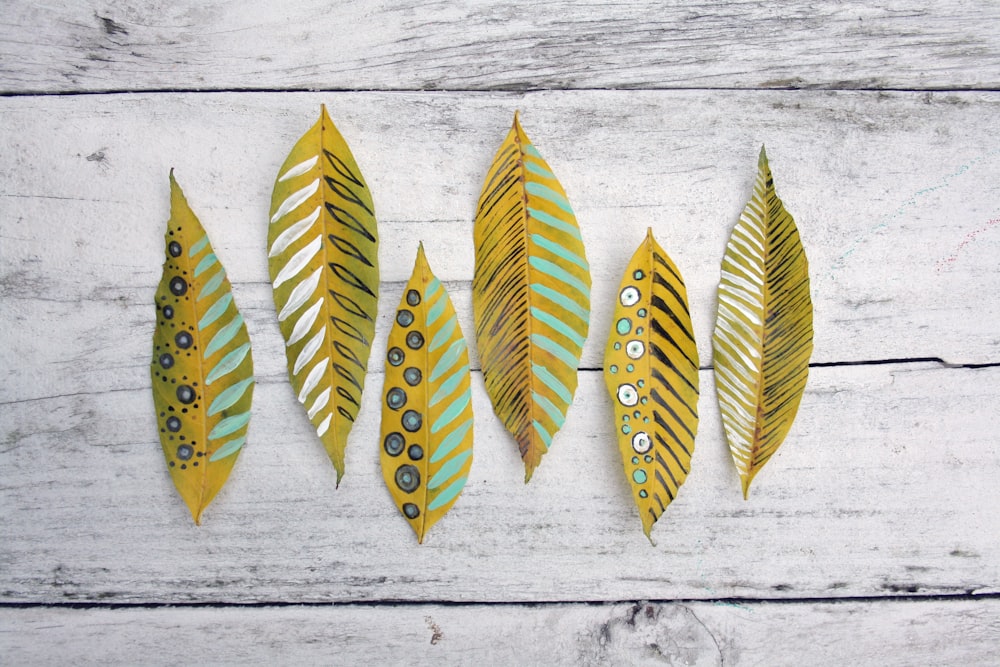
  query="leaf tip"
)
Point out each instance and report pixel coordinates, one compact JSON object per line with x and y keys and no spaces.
{"x":762,"y":158}
{"x":746,"y":487}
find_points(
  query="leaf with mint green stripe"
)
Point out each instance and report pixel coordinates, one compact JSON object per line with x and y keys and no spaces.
{"x":530,"y":295}
{"x":202,"y":369}
{"x":426,"y":440}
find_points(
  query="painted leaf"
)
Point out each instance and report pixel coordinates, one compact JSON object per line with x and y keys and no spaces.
{"x":323,"y":259}
{"x":531,"y":295}
{"x":427,"y":403}
{"x":763,"y":332}
{"x":202,"y":368}
{"x":651,"y":371}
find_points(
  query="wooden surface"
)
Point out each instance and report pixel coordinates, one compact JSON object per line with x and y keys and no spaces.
{"x":873,"y":537}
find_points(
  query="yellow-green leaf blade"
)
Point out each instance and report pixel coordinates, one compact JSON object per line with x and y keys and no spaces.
{"x":202,"y":368}
{"x":323,"y":261}
{"x":531,"y":295}
{"x":426,"y":451}
{"x":651,"y":372}
{"x":763,"y":332}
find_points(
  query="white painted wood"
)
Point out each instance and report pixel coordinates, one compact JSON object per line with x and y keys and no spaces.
{"x":69,"y":45}
{"x":894,"y":195}
{"x":885,"y":486}
{"x":695,"y":633}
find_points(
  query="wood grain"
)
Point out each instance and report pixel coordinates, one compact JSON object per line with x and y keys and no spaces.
{"x":693,"y":633}
{"x":69,"y":45}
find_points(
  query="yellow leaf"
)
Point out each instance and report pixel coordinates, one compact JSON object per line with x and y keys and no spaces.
{"x":427,"y":422}
{"x":530,"y":295}
{"x":323,"y":259}
{"x":651,"y":371}
{"x":202,"y":369}
{"x":763,"y":332}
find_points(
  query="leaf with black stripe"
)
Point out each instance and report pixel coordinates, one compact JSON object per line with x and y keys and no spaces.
{"x":530,"y":295}
{"x":763,"y":332}
{"x":651,"y":371}
{"x":323,"y":259}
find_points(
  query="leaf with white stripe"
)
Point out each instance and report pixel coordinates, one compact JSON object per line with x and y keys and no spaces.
{"x":530,"y":295}
{"x":764,"y":331}
{"x":427,"y":424}
{"x":202,"y":369}
{"x":323,"y":260}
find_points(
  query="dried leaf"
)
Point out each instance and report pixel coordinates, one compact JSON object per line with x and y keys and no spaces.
{"x":427,"y":403}
{"x":763,"y":332}
{"x":530,"y":295}
{"x":651,"y":371}
{"x":202,"y":368}
{"x":323,"y":259}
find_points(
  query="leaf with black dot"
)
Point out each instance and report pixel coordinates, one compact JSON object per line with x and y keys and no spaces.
{"x":202,"y":368}
{"x":651,"y":371}
{"x":426,"y":443}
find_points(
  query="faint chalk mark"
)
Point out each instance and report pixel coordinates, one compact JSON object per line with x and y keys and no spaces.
{"x":436,"y":634}
{"x":944,"y":262}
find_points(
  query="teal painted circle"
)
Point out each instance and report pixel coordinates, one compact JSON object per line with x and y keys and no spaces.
{"x":641,"y":383}
{"x":637,"y":414}
{"x":639,"y":476}
{"x":638,"y":275}
{"x":629,"y":368}
{"x":642,"y":493}
{"x":641,"y":312}
{"x":644,"y":400}
{"x":618,"y":346}
{"x":635,"y":460}
{"x":624,"y":418}
{"x":645,"y":420}
{"x":626,"y":429}
{"x":623,"y":326}
{"x":647,"y":458}
{"x":613,"y":369}
{"x":638,"y":331}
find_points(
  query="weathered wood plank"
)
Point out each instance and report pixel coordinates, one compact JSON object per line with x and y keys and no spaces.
{"x":884,"y":486}
{"x":69,"y":45}
{"x":893,"y":194}
{"x":696,"y":633}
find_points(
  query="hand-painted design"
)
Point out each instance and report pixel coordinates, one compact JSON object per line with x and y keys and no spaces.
{"x":323,"y":260}
{"x":202,"y":370}
{"x":763,"y":332}
{"x":652,"y":377}
{"x":427,"y":447}
{"x":531,"y":295}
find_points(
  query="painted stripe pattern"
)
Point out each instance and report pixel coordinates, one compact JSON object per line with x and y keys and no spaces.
{"x":763,"y":333}
{"x":202,"y":368}
{"x":651,"y":372}
{"x":323,"y":261}
{"x":426,"y":445}
{"x":531,"y":295}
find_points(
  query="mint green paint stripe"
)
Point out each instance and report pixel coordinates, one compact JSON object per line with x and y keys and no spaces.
{"x":229,"y":425}
{"x":558,"y":325}
{"x":553,"y":221}
{"x":561,"y":300}
{"x":538,"y":169}
{"x":453,"y":440}
{"x":449,"y":470}
{"x":548,"y":193}
{"x":447,"y":495}
{"x":215,"y":311}
{"x":449,"y":385}
{"x":452,"y":411}
{"x":552,"y":382}
{"x":228,"y":449}
{"x":206,"y":262}
{"x":436,"y":310}
{"x":559,"y":273}
{"x":432,"y":288}
{"x":546,"y":438}
{"x":224,"y":335}
{"x":444,"y":334}
{"x":555,"y":349}
{"x":212,"y":284}
{"x":557,"y":417}
{"x":532,"y":151}
{"x":560,"y":251}
{"x":448,"y":359}
{"x":198,"y":246}
{"x":229,"y":397}
{"x":228,"y":363}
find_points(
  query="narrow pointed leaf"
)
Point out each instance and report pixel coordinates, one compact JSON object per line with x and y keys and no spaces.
{"x":202,"y":369}
{"x":531,"y":295}
{"x":426,"y":440}
{"x":323,"y":258}
{"x":763,"y":332}
{"x":651,"y":371}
